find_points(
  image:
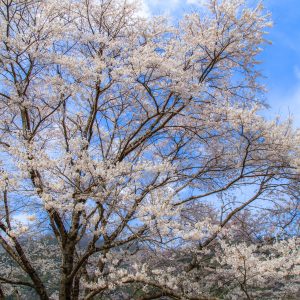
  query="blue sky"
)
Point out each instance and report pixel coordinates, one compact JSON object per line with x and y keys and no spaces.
{"x":280,"y":62}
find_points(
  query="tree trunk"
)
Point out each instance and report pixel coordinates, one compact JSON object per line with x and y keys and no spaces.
{"x":1,"y":294}
{"x":66,"y":284}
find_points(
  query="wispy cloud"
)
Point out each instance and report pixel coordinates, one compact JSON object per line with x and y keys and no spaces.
{"x":144,"y":10}
{"x":162,"y":7}
{"x":196,"y":2}
{"x":286,"y":103}
{"x":171,"y":7}
{"x":297,"y":72}
{"x":293,"y":103}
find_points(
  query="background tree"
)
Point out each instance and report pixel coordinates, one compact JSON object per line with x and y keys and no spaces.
{"x":135,"y":148}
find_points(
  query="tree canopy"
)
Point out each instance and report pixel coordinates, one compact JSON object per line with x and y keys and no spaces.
{"x":135,"y":162}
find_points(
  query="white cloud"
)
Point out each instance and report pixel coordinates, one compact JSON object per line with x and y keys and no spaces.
{"x":144,"y":10}
{"x":293,"y":105}
{"x":286,"y":104}
{"x":297,"y":72}
{"x":163,"y":6}
{"x":196,"y":2}
{"x":169,"y":7}
{"x":165,"y":2}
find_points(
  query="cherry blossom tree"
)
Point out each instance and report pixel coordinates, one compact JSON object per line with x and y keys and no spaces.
{"x":135,"y":163}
